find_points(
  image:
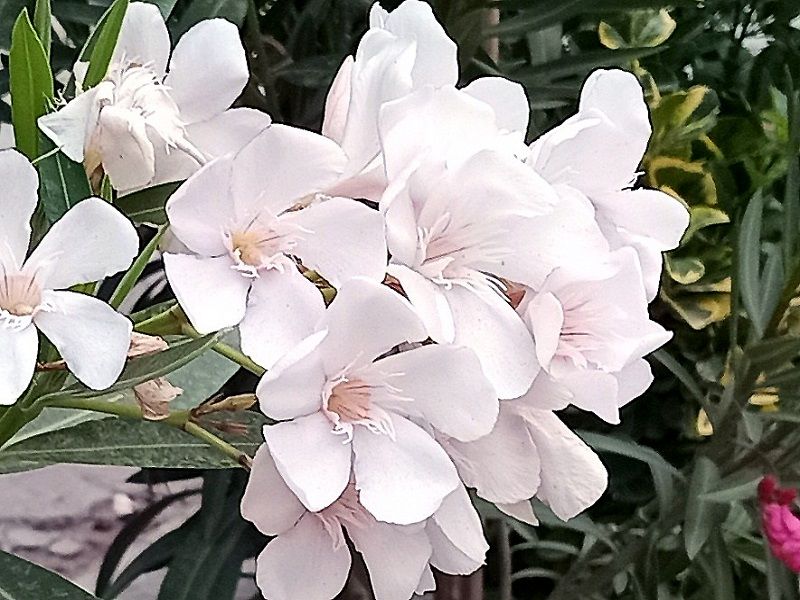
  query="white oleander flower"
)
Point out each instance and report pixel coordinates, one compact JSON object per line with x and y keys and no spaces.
{"x":245,"y":218}
{"x":398,"y":557}
{"x":598,"y":152}
{"x":343,"y":407}
{"x":91,"y":241}
{"x":155,"y":118}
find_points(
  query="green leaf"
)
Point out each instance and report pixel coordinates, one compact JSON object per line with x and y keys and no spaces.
{"x":775,"y":352}
{"x":43,"y":23}
{"x":749,"y":253}
{"x":717,"y":565}
{"x":200,"y":379}
{"x":122,"y":442}
{"x":31,"y":85}
{"x":23,"y":580}
{"x":702,"y":516}
{"x":147,"y":206}
{"x":734,"y":491}
{"x":105,"y":42}
{"x":145,"y":368}
{"x":62,"y":182}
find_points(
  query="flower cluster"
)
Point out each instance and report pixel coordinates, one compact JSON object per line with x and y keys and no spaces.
{"x":780,"y":521}
{"x":481,"y":284}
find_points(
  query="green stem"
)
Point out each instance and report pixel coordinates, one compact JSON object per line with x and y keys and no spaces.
{"x":180,"y":420}
{"x":227,"y":351}
{"x":137,"y":268}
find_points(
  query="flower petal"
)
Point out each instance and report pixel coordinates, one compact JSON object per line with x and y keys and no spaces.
{"x":92,"y":337}
{"x":342,"y":239}
{"x":365,"y":320}
{"x":18,"y":350}
{"x":337,"y":102}
{"x":201,"y":207}
{"x":433,"y":376}
{"x":90,"y":242}
{"x":282,"y":310}
{"x":227,"y":132}
{"x":267,"y":501}
{"x":507,"y":98}
{"x":522,"y":511}
{"x":281,"y":166}
{"x":633,"y":380}
{"x":312,"y":459}
{"x":143,"y":38}
{"x":488,"y":325}
{"x":395,"y":556}
{"x":651,"y":214}
{"x":293,"y":387}
{"x":17,"y":202}
{"x":403,"y":480}
{"x":428,"y":300}
{"x":509,"y":444}
{"x":573,"y":478}
{"x":127,"y":153}
{"x":303,"y":563}
{"x":68,"y":127}
{"x":545,"y":317}
{"x":456,"y":534}
{"x":210,"y":291}
{"x":436,"y":61}
{"x":208,"y":70}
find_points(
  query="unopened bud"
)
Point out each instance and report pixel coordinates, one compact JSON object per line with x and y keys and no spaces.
{"x":142,"y":345}
{"x":154,"y":397}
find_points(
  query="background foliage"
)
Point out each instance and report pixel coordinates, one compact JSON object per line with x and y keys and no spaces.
{"x":679,"y":521}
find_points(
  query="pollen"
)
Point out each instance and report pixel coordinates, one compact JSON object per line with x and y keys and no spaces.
{"x":20,"y":295}
{"x":350,"y":399}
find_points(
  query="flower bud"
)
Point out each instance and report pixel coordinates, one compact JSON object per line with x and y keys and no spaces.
{"x":154,"y":397}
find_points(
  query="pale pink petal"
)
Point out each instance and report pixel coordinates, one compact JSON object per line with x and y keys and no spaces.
{"x":143,"y":38}
{"x":507,"y":98}
{"x":522,"y":511}
{"x":312,"y":459}
{"x":303,"y":564}
{"x":227,"y":132}
{"x":18,"y":349}
{"x":17,"y":202}
{"x":488,"y":325}
{"x":456,"y":534}
{"x":91,"y":336}
{"x":208,"y":70}
{"x":403,"y":480}
{"x":293,"y":387}
{"x":573,"y":478}
{"x":448,"y":389}
{"x":647,"y":213}
{"x":593,"y":390}
{"x":267,"y":501}
{"x":281,"y":166}
{"x":341,"y":239}
{"x":510,"y":445}
{"x":365,"y":320}
{"x":338,"y":101}
{"x":90,"y":242}
{"x":212,"y":294}
{"x":201,"y":207}
{"x":428,"y":300}
{"x":633,"y":380}
{"x":436,"y":62}
{"x":68,"y":127}
{"x":427,"y":582}
{"x":395,"y":556}
{"x":282,"y":310}
{"x":126,"y":150}
{"x":545,"y":316}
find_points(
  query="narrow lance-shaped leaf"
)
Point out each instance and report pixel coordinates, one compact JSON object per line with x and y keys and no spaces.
{"x":749,"y":253}
{"x":31,"y":84}
{"x":702,"y":516}
{"x":63,"y":182}
{"x":104,"y":43}
{"x":43,"y":22}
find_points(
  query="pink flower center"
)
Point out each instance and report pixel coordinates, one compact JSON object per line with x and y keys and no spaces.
{"x":262,"y":244}
{"x":20,"y":296}
{"x":350,"y":400}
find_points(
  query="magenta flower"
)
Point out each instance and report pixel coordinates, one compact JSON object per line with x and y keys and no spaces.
{"x":781,"y":525}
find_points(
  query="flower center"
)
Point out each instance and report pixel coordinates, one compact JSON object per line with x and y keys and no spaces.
{"x":262,"y":244}
{"x":347,"y":511}
{"x":20,"y":298}
{"x":350,"y":400}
